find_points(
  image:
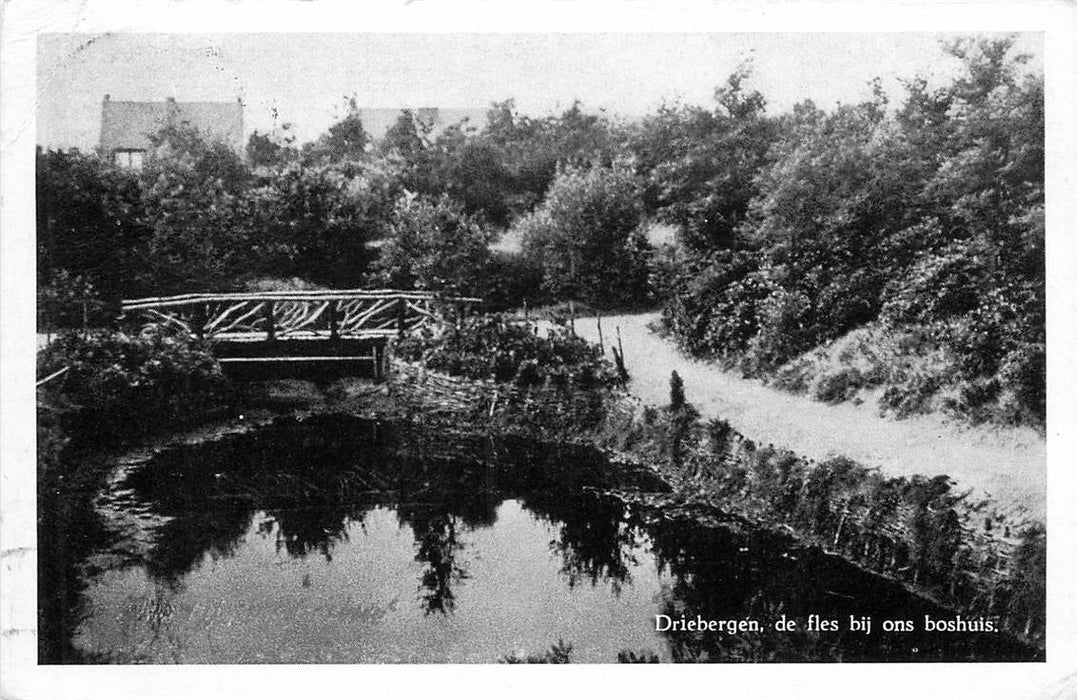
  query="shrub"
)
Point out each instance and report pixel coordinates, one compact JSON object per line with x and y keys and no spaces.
{"x":587,"y":236}
{"x":509,"y":280}
{"x":937,"y":287}
{"x":835,"y":388}
{"x":715,"y":310}
{"x":119,"y":385}
{"x":1024,"y":373}
{"x":71,"y":301}
{"x":782,"y":334}
{"x":913,"y":397}
{"x":489,"y":347}
{"x":434,"y":245}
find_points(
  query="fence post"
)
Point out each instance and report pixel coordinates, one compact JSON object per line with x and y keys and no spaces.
{"x":601,"y":343}
{"x":401,"y":309}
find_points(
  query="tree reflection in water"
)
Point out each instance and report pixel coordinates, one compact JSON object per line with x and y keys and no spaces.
{"x":594,"y":542}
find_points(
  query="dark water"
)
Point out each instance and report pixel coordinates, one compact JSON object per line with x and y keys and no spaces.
{"x":343,"y":541}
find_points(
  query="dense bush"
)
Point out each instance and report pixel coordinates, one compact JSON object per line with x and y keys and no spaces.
{"x":697,"y":164}
{"x":90,"y":229}
{"x":587,"y":237}
{"x":510,"y":280}
{"x":433,"y":245}
{"x":71,"y":301}
{"x":490,"y":347}
{"x":119,"y":385}
{"x":928,"y":215}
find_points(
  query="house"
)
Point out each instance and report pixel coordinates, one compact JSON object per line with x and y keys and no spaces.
{"x":126,"y":127}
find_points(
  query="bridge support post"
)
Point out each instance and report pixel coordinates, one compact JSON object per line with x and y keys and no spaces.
{"x":379,"y":362}
{"x":401,"y":312}
{"x":271,"y":323}
{"x":334,"y":323}
{"x":198,"y":322}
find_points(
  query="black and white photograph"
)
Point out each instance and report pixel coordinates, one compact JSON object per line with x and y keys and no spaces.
{"x":416,"y":347}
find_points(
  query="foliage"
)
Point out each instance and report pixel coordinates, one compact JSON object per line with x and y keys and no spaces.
{"x":698,"y":163}
{"x":316,"y":221}
{"x":69,"y":301}
{"x":118,"y":385}
{"x":924,"y":214}
{"x":272,"y":149}
{"x":715,"y":308}
{"x":433,"y":244}
{"x":586,"y":235}
{"x":510,"y":280}
{"x":489,"y":347}
{"x":468,"y":168}
{"x":344,"y":141}
{"x":793,"y":230}
{"x":192,"y":202}
{"x":531,"y":149}
{"x":90,"y":230}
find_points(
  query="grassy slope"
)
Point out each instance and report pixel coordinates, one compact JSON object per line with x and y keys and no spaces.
{"x":901,"y":372}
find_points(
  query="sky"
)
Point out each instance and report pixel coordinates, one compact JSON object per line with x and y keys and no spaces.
{"x":305,"y":78}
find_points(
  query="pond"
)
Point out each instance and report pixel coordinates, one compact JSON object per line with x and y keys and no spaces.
{"x":341,"y":540}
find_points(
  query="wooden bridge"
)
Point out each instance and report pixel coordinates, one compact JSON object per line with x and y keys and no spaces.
{"x":298,"y":333}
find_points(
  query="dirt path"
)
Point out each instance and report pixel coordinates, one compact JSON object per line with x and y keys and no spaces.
{"x":1008,"y":465}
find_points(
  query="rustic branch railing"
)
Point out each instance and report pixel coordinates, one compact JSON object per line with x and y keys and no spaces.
{"x":270,"y":316}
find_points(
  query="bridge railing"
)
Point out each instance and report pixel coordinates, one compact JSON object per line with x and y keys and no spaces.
{"x":257,"y":316}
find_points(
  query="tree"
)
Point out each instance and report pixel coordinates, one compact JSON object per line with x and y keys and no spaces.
{"x":698,"y":164}
{"x":345,"y":140}
{"x":192,"y":197}
{"x":532,"y":149}
{"x":927,"y":215}
{"x":90,"y":224}
{"x":433,"y":245}
{"x":470,"y":169}
{"x":271,"y":149}
{"x":316,"y":221}
{"x":586,"y":236}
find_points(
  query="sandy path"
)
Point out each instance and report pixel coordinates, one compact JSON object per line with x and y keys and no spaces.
{"x":1008,"y":465}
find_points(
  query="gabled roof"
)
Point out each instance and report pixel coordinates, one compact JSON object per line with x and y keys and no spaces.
{"x":128,"y":125}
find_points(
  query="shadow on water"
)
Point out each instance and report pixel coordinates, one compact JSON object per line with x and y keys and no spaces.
{"x":361,"y":512}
